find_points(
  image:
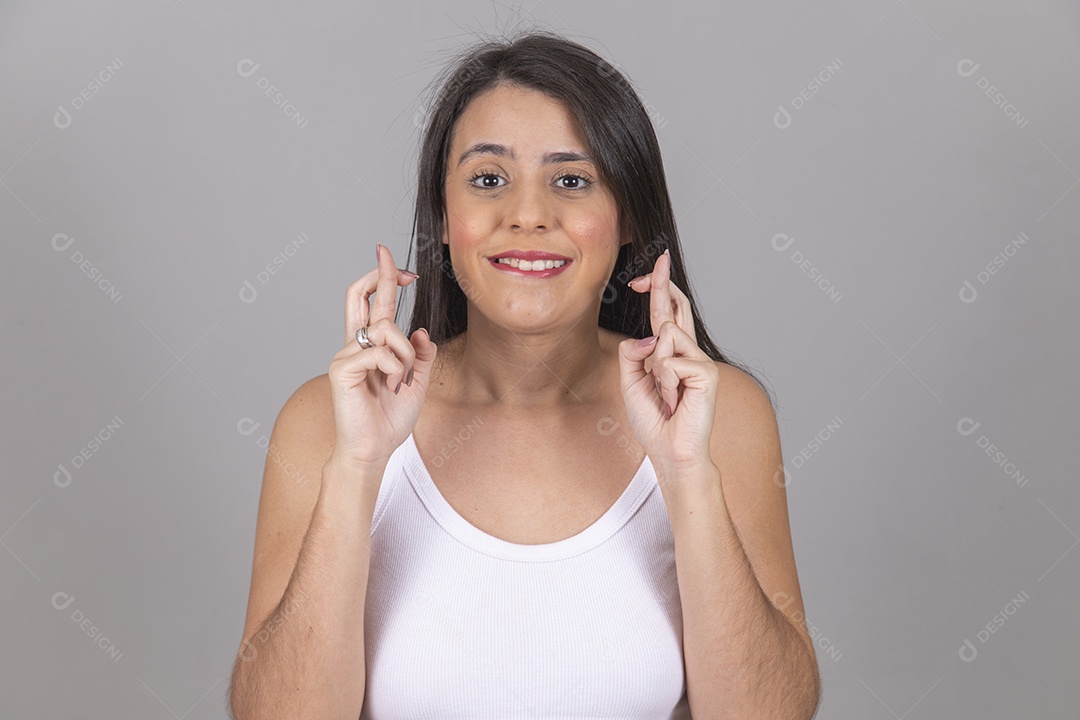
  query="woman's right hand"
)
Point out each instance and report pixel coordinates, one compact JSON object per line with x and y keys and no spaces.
{"x":372,"y":420}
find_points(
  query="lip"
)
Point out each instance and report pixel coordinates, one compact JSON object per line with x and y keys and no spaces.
{"x":551,"y":272}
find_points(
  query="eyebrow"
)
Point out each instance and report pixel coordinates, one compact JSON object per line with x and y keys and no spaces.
{"x":485,"y":148}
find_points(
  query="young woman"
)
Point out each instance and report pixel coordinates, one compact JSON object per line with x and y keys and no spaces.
{"x":555,"y":497}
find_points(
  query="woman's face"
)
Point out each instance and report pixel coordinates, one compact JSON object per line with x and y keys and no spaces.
{"x":519,"y":179}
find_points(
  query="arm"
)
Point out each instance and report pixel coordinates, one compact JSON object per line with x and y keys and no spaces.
{"x":302,"y":655}
{"x":745,"y":657}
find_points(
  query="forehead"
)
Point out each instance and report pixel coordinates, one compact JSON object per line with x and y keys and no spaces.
{"x":524,"y":119}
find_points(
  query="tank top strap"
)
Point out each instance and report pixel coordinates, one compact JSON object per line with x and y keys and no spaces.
{"x":616,"y":517}
{"x":391,"y":478}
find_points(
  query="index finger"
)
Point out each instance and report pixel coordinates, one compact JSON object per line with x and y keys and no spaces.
{"x":357,"y":294}
{"x":660,"y":308}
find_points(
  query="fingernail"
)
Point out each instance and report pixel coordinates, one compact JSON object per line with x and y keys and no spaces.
{"x":639,"y":277}
{"x":410,"y":273}
{"x":646,"y":342}
{"x":398,"y":387}
{"x":667,"y":252}
{"x":408,"y":380}
{"x":377,"y":247}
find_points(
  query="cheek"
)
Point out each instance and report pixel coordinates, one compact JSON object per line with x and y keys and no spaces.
{"x":467,"y":224}
{"x":593,"y":229}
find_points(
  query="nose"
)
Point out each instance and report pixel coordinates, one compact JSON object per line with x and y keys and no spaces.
{"x":530,"y":208}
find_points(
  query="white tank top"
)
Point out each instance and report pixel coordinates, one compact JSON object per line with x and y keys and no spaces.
{"x":461,"y":624}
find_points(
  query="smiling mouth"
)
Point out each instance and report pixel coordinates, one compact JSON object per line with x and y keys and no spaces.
{"x":530,"y":268}
{"x":530,"y":264}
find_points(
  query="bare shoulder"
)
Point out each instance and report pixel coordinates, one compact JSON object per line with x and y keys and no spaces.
{"x":306,"y":420}
{"x":745,"y":441}
{"x":300,"y":444}
{"x":746,"y":448}
{"x":742,"y":397}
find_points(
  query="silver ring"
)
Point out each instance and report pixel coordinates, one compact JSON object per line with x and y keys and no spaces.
{"x":362,"y":338}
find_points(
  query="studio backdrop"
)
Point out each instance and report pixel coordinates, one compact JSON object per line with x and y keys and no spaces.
{"x":878,"y":203}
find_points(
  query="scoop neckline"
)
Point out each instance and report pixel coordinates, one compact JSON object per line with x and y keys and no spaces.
{"x":632,"y":497}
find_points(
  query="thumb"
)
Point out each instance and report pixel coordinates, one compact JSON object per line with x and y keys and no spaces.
{"x":632,"y":356}
{"x":425,"y":352}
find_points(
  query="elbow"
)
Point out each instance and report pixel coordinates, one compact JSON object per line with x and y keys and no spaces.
{"x":811,"y":694}
{"x":236,"y":704}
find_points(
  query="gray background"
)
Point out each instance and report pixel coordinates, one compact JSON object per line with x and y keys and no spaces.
{"x":899,"y":180}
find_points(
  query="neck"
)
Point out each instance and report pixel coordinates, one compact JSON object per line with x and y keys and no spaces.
{"x":549,"y":368}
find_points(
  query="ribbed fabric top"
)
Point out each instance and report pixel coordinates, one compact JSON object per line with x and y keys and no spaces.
{"x":461,"y":624}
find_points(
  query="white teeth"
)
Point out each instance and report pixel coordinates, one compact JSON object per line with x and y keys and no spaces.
{"x":531,"y":265}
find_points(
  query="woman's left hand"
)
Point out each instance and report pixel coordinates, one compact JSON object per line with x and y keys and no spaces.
{"x":671,"y":407}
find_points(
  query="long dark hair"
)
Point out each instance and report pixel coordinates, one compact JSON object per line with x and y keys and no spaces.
{"x":620,"y":138}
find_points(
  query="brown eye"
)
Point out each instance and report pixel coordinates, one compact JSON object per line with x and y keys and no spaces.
{"x":488,"y":180}
{"x":573,"y":181}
